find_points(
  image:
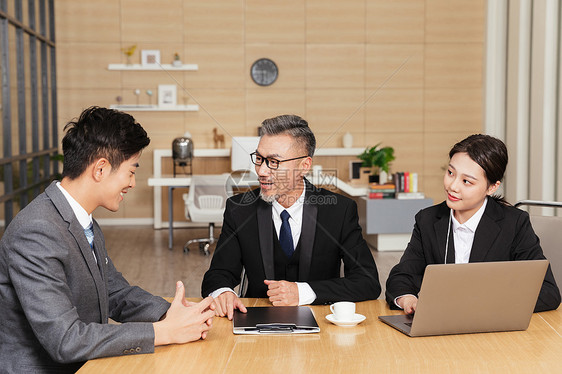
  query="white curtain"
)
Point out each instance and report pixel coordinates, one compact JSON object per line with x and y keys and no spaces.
{"x":523,"y":95}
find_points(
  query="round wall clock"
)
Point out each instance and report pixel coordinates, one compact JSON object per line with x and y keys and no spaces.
{"x":264,"y":72}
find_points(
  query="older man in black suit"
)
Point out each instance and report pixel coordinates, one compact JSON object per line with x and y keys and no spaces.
{"x":288,"y":234}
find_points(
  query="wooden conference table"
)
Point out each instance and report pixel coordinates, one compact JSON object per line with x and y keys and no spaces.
{"x":368,"y":347}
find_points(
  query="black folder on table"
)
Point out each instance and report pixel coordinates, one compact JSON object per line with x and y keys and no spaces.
{"x":275,"y":320}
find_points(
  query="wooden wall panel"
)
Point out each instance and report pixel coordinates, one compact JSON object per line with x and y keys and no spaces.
{"x":401,"y":107}
{"x":220,"y":65}
{"x":398,"y":21}
{"x":335,"y":65}
{"x":454,"y":65}
{"x":436,"y":152}
{"x":275,"y":21}
{"x":330,"y":113}
{"x":217,"y":21}
{"x":262,"y":103}
{"x":453,"y":109}
{"x":394,"y":65}
{"x":408,"y":149}
{"x":84,"y":65}
{"x":220,"y":108}
{"x":454,"y":20}
{"x":335,"y":21}
{"x":168,"y":123}
{"x":98,"y":21}
{"x":75,"y":100}
{"x":152,"y":21}
{"x":405,"y":72}
{"x":149,"y":80}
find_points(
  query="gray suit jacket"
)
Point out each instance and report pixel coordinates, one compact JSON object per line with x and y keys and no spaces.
{"x":56,"y":300}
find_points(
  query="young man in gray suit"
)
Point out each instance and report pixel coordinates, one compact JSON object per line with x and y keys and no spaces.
{"x":57,"y":284}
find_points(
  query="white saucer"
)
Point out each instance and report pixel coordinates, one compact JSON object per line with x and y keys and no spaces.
{"x":357,"y":318}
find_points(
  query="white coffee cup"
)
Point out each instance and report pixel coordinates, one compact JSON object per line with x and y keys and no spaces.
{"x":343,"y":310}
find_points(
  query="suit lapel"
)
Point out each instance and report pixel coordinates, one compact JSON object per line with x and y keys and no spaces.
{"x":265,"y":233}
{"x":486,"y":232}
{"x":99,"y":249}
{"x":441,"y":228}
{"x":308,"y":231}
{"x":77,"y":231}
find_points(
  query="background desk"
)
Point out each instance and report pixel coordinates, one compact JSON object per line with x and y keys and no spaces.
{"x":181,"y":181}
{"x":240,"y":182}
{"x":370,"y":347}
{"x":171,"y":182}
{"x":388,"y":223}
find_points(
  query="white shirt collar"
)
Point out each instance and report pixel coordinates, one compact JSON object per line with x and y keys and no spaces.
{"x":83,"y":217}
{"x":473,"y":221}
{"x":294,"y":209}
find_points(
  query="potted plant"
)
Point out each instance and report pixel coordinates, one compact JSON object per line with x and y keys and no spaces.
{"x":378,"y":159}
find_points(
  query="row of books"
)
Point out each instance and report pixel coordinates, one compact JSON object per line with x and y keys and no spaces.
{"x":382,"y":191}
{"x":404,"y":186}
{"x":406,"y":181}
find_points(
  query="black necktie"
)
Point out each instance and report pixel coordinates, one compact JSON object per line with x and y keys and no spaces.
{"x":285,"y":234}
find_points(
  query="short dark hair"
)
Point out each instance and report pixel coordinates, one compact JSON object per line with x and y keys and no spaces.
{"x":488,"y":152}
{"x":100,"y":132}
{"x":294,"y":126}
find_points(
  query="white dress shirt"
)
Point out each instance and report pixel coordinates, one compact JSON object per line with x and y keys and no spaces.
{"x":82,"y":216}
{"x":463,"y":235}
{"x":306,"y":294}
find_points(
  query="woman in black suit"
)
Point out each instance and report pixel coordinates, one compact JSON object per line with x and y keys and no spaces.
{"x":471,"y":225}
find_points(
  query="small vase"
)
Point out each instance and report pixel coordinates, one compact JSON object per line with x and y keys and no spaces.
{"x":347,"y":140}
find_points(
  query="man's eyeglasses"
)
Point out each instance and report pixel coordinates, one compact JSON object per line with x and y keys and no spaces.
{"x":271,"y":163}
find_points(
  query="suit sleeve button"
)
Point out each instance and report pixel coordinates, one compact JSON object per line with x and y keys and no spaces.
{"x":138,"y":349}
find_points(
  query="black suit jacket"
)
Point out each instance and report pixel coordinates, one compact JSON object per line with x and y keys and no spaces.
{"x":503,"y":234}
{"x":330,"y":234}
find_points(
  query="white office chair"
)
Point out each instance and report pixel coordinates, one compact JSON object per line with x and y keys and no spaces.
{"x":205,"y":202}
{"x":549,"y":231}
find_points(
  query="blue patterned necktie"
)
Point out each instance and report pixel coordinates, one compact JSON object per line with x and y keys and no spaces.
{"x":89,"y":231}
{"x":285,"y":234}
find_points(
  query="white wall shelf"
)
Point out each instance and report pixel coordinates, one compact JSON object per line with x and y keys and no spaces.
{"x":170,"y":67}
{"x":156,"y":108}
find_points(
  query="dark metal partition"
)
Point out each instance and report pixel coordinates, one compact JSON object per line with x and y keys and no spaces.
{"x":28,"y":101}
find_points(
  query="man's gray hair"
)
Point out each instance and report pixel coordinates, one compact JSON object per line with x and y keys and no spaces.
{"x":294,"y":126}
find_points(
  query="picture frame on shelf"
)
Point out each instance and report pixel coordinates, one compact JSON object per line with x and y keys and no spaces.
{"x":167,"y":95}
{"x":150,"y":57}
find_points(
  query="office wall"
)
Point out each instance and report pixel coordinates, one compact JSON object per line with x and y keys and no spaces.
{"x":407,"y":73}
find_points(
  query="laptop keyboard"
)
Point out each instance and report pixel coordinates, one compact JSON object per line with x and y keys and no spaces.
{"x":408,"y":324}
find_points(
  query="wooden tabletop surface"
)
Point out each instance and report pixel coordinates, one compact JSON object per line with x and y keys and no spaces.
{"x":370,"y":346}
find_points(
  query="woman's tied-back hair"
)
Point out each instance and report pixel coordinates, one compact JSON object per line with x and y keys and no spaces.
{"x":294,"y":126}
{"x":101,"y":132}
{"x":488,"y":152}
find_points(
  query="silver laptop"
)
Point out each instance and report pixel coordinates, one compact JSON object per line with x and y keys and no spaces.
{"x":474,"y":297}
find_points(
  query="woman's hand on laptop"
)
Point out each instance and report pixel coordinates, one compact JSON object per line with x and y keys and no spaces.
{"x":408,"y":303}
